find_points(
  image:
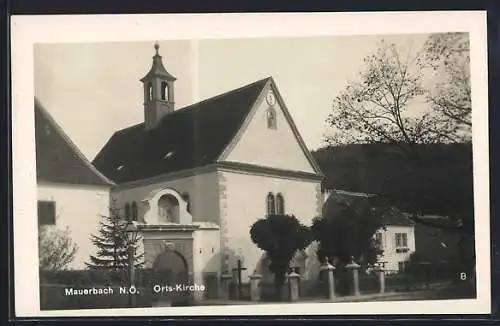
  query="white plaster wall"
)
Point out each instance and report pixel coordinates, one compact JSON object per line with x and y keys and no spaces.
{"x":202,"y":191}
{"x":207,"y":249}
{"x":78,"y":208}
{"x":277,"y":148}
{"x":206,"y":252}
{"x":389,"y":245}
{"x":245,"y":203}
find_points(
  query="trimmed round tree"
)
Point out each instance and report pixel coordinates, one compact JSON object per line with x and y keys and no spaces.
{"x":280,"y":236}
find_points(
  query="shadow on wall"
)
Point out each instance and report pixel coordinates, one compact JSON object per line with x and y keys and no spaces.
{"x":262,"y":269}
{"x":211,"y":277}
{"x":232,"y":257}
{"x":309,"y":266}
{"x":214,"y":268}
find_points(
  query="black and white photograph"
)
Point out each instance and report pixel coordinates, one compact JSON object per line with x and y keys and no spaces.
{"x":193,"y":171}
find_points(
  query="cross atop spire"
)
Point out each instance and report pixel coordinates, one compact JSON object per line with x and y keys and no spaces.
{"x":157,"y":47}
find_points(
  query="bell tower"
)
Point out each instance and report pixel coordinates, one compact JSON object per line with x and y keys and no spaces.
{"x":158,"y":92}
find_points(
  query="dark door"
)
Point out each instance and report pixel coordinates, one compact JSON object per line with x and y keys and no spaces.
{"x":171,"y":275}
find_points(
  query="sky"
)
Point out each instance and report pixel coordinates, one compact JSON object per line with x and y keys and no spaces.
{"x":94,"y":89}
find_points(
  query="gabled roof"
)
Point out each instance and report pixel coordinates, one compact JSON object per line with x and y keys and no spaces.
{"x":190,"y":137}
{"x":58,"y":160}
{"x":272,"y":86}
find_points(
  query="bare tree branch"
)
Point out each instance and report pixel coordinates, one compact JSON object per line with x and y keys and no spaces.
{"x":389,"y":102}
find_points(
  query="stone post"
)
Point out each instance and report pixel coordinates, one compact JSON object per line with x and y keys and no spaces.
{"x":225,"y":282}
{"x":327,"y":270}
{"x":353,"y":267}
{"x":381,"y":278}
{"x":293,"y":286}
{"x":254,"y":287}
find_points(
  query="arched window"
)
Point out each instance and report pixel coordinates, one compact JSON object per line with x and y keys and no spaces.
{"x":186,"y":198}
{"x":168,"y":209}
{"x":271,"y":118}
{"x":164,"y":91}
{"x":150,"y":92}
{"x":280,"y":204}
{"x":271,"y":208}
{"x":127,"y":211}
{"x":134,"y":211}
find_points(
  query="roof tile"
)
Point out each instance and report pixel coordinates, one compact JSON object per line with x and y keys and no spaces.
{"x":58,"y":160}
{"x":196,"y":135}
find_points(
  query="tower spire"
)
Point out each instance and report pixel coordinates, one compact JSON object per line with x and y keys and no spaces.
{"x":158,"y":91}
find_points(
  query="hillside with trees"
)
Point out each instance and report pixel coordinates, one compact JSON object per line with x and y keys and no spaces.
{"x":447,"y":183}
{"x":446,"y":179}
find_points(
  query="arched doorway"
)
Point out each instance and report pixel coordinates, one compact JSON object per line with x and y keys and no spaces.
{"x":170,"y":266}
{"x":170,"y":278}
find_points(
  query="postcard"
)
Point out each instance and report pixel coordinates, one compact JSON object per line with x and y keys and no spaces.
{"x":294,"y":164}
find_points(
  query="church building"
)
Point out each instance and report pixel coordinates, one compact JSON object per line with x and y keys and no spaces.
{"x":195,"y":179}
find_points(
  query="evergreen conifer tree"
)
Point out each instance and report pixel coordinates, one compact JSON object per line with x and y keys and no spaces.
{"x":112,"y":244}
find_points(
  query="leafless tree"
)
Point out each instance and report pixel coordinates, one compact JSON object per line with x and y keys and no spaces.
{"x":447,"y":57}
{"x":389,"y":103}
{"x":56,"y":248}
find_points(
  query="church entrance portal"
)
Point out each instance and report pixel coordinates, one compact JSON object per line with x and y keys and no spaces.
{"x":170,"y":276}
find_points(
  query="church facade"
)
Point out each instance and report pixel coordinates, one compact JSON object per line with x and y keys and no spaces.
{"x":195,"y":179}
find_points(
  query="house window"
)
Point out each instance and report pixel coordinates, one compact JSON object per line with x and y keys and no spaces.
{"x":164,"y":91}
{"x":271,"y":208}
{"x":280,"y":204}
{"x":46,"y":213}
{"x":401,"y":266}
{"x":134,"y":211}
{"x":401,"y":240}
{"x":271,"y":118}
{"x":127,"y":211}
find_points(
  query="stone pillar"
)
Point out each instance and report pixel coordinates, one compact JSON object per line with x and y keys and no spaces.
{"x":293,"y":286}
{"x":327,"y":271}
{"x":381,"y":278}
{"x":255,"y":287}
{"x":225,"y":283}
{"x":353,"y":267}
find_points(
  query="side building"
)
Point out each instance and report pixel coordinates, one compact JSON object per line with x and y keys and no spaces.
{"x":72,"y":194}
{"x":396,"y":238}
